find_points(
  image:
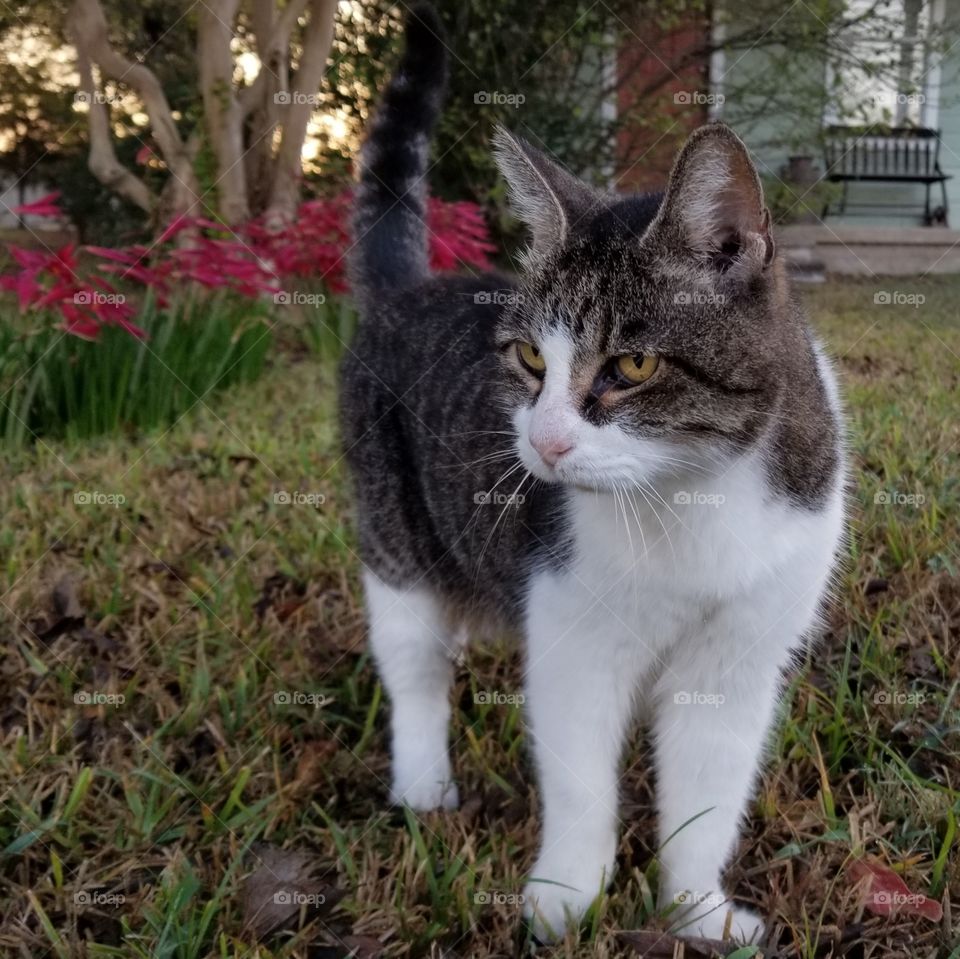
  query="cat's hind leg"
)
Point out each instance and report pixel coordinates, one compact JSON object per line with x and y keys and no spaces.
{"x":414,"y":649}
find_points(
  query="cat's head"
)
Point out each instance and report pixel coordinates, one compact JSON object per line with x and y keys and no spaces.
{"x":638,"y":345}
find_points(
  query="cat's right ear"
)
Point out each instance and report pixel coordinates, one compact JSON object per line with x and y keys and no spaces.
{"x":544,"y":195}
{"x":714,"y":208}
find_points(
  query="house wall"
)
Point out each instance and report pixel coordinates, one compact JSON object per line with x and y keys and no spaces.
{"x":646,"y":153}
{"x":775,"y":130}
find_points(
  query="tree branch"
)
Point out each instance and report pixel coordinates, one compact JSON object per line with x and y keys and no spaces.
{"x":88,"y":26}
{"x":317,"y":41}
{"x":102,"y":161}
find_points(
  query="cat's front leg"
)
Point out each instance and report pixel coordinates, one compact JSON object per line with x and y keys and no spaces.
{"x":413,"y":649}
{"x":714,"y":706}
{"x":580,"y":682}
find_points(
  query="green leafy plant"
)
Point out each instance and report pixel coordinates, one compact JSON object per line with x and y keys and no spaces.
{"x":54,"y":384}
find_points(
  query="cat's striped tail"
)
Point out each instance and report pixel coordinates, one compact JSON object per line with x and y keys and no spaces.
{"x":390,"y":248}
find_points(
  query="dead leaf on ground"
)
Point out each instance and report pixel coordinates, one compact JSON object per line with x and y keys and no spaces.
{"x":313,"y":755}
{"x":284,"y":885}
{"x":886,"y":894}
{"x":66,"y":613}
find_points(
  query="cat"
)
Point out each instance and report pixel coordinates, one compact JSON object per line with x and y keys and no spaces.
{"x":632,"y":454}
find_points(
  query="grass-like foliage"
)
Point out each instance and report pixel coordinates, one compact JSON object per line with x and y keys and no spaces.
{"x":53,"y":384}
{"x":191,"y":731}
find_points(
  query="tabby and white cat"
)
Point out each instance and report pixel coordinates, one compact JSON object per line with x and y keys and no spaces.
{"x":666,"y":434}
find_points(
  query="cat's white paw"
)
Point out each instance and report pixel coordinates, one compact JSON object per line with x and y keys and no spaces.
{"x":426,"y":795}
{"x":710,"y":922}
{"x":560,"y":893}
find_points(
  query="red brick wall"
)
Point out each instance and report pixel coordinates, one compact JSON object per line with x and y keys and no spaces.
{"x":646,"y":151}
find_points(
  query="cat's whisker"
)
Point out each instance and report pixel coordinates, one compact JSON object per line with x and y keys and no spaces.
{"x":653,"y":510}
{"x":511,"y":500}
{"x":618,"y":501}
{"x":486,"y":459}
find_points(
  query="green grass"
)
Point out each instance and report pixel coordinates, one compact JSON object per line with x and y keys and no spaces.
{"x":184,"y":585}
{"x":54,"y":384}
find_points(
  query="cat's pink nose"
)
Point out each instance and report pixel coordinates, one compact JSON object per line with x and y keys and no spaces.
{"x":551,"y":448}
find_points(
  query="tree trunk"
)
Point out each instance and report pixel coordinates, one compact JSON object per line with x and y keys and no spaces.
{"x":301,"y":102}
{"x":102,"y":161}
{"x":88,"y":26}
{"x":224,"y":117}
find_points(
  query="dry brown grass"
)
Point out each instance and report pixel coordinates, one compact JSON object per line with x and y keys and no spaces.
{"x":129,"y":828}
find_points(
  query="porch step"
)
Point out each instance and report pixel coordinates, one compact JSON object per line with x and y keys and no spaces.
{"x":869,"y":251}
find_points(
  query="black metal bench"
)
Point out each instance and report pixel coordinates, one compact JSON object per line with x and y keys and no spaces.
{"x":886,"y":155}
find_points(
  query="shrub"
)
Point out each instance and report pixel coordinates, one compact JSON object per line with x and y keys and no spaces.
{"x":68,"y":386}
{"x":153,"y":329}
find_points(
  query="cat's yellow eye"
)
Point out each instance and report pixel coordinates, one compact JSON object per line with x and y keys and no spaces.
{"x":531,"y":357}
{"x":636,"y":369}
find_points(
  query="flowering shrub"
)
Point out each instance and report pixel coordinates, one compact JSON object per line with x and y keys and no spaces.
{"x":250,"y":261}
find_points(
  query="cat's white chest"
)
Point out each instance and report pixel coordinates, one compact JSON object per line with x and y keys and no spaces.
{"x":679,"y":538}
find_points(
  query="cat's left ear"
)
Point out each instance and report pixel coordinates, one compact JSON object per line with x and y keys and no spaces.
{"x":548,"y":198}
{"x":714,"y":207}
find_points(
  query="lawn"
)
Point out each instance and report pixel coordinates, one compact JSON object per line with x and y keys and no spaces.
{"x":193,"y":737}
